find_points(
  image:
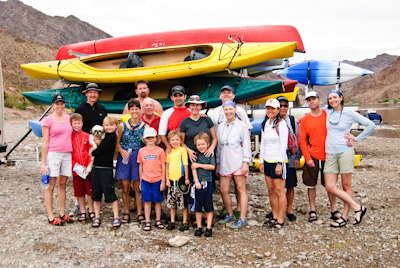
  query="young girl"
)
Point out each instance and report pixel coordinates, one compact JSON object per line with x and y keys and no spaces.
{"x":102,"y":172}
{"x":151,"y":159}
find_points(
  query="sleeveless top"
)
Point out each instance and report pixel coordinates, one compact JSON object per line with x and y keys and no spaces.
{"x":132,"y":138}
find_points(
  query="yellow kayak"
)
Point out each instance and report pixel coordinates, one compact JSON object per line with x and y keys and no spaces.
{"x":256,"y":162}
{"x":156,"y":64}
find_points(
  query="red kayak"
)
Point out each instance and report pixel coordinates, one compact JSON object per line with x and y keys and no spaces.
{"x":263,"y":33}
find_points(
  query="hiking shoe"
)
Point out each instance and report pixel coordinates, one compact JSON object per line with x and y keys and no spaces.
{"x":208,"y":232}
{"x":170,"y":226}
{"x":56,"y":222}
{"x":67,"y":219}
{"x":223,"y":213}
{"x":291,"y":217}
{"x":184,"y":227}
{"x":237,"y":214}
{"x":239,"y":224}
{"x":227,"y":219}
{"x":198,"y":232}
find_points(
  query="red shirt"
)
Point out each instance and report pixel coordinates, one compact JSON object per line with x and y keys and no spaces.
{"x":155,"y":123}
{"x":80,"y":149}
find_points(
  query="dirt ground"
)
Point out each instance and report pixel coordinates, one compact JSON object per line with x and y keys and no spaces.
{"x":27,"y":240}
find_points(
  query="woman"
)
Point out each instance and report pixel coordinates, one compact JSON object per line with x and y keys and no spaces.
{"x":340,"y":154}
{"x":195,"y":124}
{"x":56,"y":157}
{"x":129,"y":138}
{"x":273,"y":161}
{"x":233,"y":156}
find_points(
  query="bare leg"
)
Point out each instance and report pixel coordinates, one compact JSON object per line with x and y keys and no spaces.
{"x":172,"y":211}
{"x":114,"y":207}
{"x":90,"y":203}
{"x":62,"y":195}
{"x":279,"y":185}
{"x":312,"y":193}
{"x":199,"y":218}
{"x":209,"y":216}
{"x":97,"y":208}
{"x":330,"y":185}
{"x":157,"y":208}
{"x":273,"y":199}
{"x":347,"y":187}
{"x":289,"y":199}
{"x":138,"y":197}
{"x":147,"y":211}
{"x":48,"y":198}
{"x":185,"y":214}
{"x":81,"y":200}
{"x":242,"y":193}
{"x":224,"y":184}
{"x":126,"y":185}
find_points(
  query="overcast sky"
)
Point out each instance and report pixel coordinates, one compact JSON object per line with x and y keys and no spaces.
{"x":331,"y":30}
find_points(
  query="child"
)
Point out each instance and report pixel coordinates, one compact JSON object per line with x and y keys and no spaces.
{"x":202,"y":175}
{"x":80,"y":160}
{"x":151,"y":159}
{"x":177,"y":165}
{"x":102,"y":173}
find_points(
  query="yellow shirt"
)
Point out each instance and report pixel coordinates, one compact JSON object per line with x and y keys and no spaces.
{"x":175,"y":160}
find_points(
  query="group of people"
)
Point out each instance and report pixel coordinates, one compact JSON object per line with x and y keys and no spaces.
{"x":158,"y":151}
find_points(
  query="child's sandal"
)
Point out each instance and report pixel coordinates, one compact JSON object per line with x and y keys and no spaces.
{"x":126,"y":218}
{"x":92,"y":215}
{"x":159,"y":224}
{"x":141,"y":218}
{"x":116,"y":223}
{"x":96,"y":222}
{"x":82,"y":218}
{"x":147,"y":226}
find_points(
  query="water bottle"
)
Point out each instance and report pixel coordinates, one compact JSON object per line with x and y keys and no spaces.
{"x":45,"y":179}
{"x":126,"y":160}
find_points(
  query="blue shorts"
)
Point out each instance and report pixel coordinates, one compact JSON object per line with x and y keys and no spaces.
{"x":269,"y":170}
{"x":204,"y":198}
{"x":151,"y":192}
{"x":128,"y":171}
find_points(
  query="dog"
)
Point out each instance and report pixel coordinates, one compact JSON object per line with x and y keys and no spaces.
{"x":97,"y":133}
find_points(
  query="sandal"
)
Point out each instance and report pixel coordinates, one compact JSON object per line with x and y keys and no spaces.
{"x":126,"y":220}
{"x":333,"y":217}
{"x":56,"y":222}
{"x":147,"y":226}
{"x":312,"y":218}
{"x":92,"y":215}
{"x":340,"y":224}
{"x":141,"y":218}
{"x":116,"y":223}
{"x":268,"y":223}
{"x":96,"y":222}
{"x":362,"y":210}
{"x":82,"y":217}
{"x":159,"y":224}
{"x":277,"y":226}
{"x":67,"y":219}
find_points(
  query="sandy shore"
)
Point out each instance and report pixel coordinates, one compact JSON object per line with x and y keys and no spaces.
{"x":27,"y":240}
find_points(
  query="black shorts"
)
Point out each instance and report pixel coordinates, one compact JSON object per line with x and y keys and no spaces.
{"x":269,"y":170}
{"x":103,"y":182}
{"x":204,"y":198}
{"x":291,"y":178}
{"x":310,"y":175}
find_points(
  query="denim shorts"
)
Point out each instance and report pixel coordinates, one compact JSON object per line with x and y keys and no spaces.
{"x":128,"y":171}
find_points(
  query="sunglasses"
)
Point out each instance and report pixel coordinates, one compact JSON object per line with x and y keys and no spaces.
{"x":285,"y":105}
{"x":194,"y":98}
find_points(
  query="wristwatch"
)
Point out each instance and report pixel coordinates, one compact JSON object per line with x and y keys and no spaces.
{"x":280,"y":163}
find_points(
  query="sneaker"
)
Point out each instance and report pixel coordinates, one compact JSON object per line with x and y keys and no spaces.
{"x":75,"y":211}
{"x":198,"y":232}
{"x":208,"y":232}
{"x":170,"y":226}
{"x":291,"y":217}
{"x":239,"y":224}
{"x":237,"y":214}
{"x":223,"y":213}
{"x":227,"y":219}
{"x":184,"y":227}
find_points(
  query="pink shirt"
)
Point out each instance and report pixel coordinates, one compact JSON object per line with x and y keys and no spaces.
{"x":152,"y":161}
{"x":59,"y":134}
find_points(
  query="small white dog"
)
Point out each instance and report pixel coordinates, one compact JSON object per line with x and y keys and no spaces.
{"x":97,"y":133}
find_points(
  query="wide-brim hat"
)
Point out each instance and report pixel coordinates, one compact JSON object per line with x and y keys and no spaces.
{"x":92,"y":86}
{"x":195,"y":99}
{"x":183,"y":188}
{"x":150,"y":132}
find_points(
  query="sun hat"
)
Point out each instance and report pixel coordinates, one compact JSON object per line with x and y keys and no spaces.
{"x":151,"y":132}
{"x":274,"y":103}
{"x":92,"y":86}
{"x":195,"y":99}
{"x":228,"y":87}
{"x":58,"y":97}
{"x":312,"y":94}
{"x":178,"y":89}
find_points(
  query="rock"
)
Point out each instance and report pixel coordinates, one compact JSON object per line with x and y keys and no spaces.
{"x":179,"y":241}
{"x":253,"y":223}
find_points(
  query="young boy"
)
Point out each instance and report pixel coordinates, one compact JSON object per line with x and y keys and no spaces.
{"x":202,"y":175}
{"x":80,"y":160}
{"x":102,"y":173}
{"x":177,"y":166}
{"x":151,"y":159}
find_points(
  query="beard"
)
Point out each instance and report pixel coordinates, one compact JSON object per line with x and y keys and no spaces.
{"x":143,"y":95}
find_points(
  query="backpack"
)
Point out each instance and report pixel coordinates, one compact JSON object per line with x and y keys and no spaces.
{"x":293,"y":144}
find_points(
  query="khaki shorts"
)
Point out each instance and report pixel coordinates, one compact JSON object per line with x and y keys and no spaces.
{"x":310,"y":174}
{"x":59,"y":163}
{"x":342,"y":163}
{"x":175,"y":199}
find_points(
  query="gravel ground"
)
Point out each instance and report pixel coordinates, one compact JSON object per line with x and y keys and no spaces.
{"x":27,"y":240}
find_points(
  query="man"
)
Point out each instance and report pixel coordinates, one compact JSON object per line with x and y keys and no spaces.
{"x":172,"y":117}
{"x":92,"y":112}
{"x":149,"y":116}
{"x":294,"y":160}
{"x":218,"y":117}
{"x":312,"y":143}
{"x":142,"y":92}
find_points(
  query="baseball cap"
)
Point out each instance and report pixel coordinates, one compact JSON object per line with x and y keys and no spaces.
{"x":92,"y":86}
{"x":58,"y":97}
{"x":149,"y":132}
{"x":274,"y":103}
{"x":178,"y":89}
{"x":282,"y":98}
{"x":227,"y":87}
{"x":312,"y":94}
